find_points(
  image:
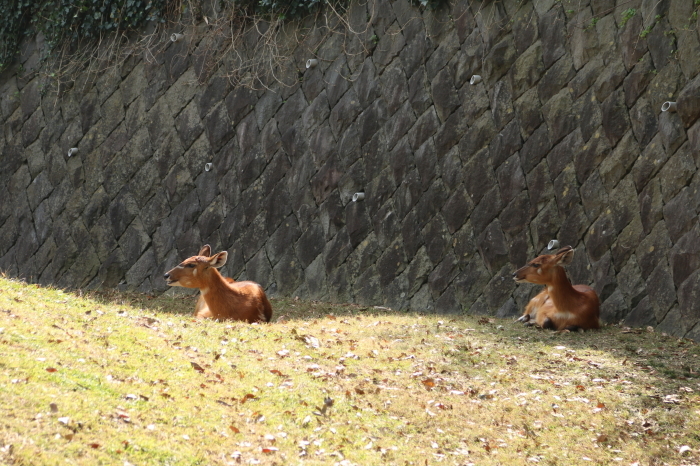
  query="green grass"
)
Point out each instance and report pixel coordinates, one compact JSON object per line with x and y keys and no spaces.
{"x":129,"y":379}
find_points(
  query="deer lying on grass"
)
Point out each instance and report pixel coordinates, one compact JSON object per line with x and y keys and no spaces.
{"x":560,"y":306}
{"x":222,"y":298}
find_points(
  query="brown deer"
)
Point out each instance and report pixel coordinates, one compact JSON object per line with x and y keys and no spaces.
{"x":222,"y":298}
{"x":560,"y":306}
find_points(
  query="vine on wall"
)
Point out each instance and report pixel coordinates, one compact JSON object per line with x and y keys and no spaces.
{"x":74,"y":22}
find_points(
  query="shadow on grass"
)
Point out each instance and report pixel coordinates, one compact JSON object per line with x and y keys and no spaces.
{"x":664,"y":357}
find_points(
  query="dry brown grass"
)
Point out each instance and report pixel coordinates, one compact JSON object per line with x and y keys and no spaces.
{"x":126,"y":379}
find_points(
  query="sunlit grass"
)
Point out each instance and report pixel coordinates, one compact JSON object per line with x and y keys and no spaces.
{"x":118,"y":378}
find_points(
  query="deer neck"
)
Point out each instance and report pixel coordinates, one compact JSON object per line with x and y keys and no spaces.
{"x":213,"y":286}
{"x":561,"y":291}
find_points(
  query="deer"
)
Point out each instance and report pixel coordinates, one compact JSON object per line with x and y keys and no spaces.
{"x":560,"y":306}
{"x":222,"y":298}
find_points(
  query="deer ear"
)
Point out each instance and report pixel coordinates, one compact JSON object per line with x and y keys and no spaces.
{"x":205,"y":251}
{"x":218,"y":260}
{"x":565,"y":256}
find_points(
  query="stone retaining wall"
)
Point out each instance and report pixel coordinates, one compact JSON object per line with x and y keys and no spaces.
{"x":563,"y":138}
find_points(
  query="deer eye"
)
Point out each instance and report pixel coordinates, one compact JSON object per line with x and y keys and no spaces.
{"x":190,"y":265}
{"x":537,"y":266}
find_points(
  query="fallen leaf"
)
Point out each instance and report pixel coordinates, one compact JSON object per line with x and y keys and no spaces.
{"x":94,"y":445}
{"x":249,"y":396}
{"x":197,"y":367}
{"x":234,"y":429}
{"x":51,"y":369}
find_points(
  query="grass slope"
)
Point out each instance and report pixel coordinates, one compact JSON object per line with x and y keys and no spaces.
{"x":125,"y":379}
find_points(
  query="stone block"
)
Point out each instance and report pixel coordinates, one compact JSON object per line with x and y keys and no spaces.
{"x":411,"y":234}
{"x":467,"y":61}
{"x":141,"y":270}
{"x":679,"y":219}
{"x":394,"y":88}
{"x":439,"y":238}
{"x":502,"y":104}
{"x":545,"y":225}
{"x":386,"y":224}
{"x":676,"y":173}
{"x":457,"y":209}
{"x":398,"y":125}
{"x":516,"y":215}
{"x":469,"y":284}
{"x":366,"y":84}
{"x":442,"y":275}
{"x":535,"y":148}
{"x":343,"y":113}
{"x":493,"y":247}
{"x":651,"y":205}
{"x":557,"y":77}
{"x":528,"y":109}
{"x":664,"y":84}
{"x":637,"y":80}
{"x":661,"y":291}
{"x":660,"y":42}
{"x":444,"y":95}
{"x":601,"y":236}
{"x":259,"y":270}
{"x":583,"y":41}
{"x":552,"y":27}
{"x":498,"y":291}
{"x":625,"y":207}
{"x":590,"y":156}
{"x":378,"y":192}
{"x":391,"y":263}
{"x":373,"y":153}
{"x":511,"y":179}
{"x":566,"y":190}
{"x":388,"y":47}
{"x":573,"y":227}
{"x":671,"y":131}
{"x":426,"y":126}
{"x":614,"y":309}
{"x":316,"y":280}
{"x":615,"y":118}
{"x":442,"y":55}
{"x":562,"y":154}
{"x":609,"y":79}
{"x":239,"y":102}
{"x":641,"y":316}
{"x":674,"y":324}
{"x":688,"y":51}
{"x":505,"y":143}
{"x":479,"y":176}
{"x":652,"y":158}
{"x":627,"y":241}
{"x":525,"y":30}
{"x":188,"y":124}
{"x":653,"y":249}
{"x":288,"y":274}
{"x":527,"y":70}
{"x":632,"y":46}
{"x":539,"y":187}
{"x":630,"y":282}
{"x":498,"y":60}
{"x":337,"y":82}
{"x":464,"y":244}
{"x":689,"y":102}
{"x":450,"y":133}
